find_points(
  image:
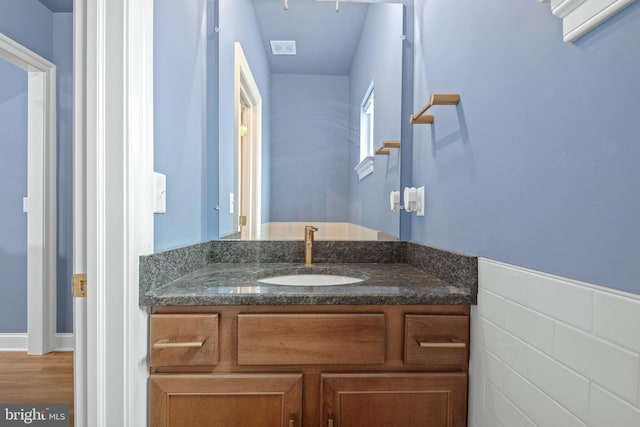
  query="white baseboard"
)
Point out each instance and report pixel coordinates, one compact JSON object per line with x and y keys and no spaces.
{"x":18,"y":342}
{"x":64,"y":342}
{"x":13,"y":342}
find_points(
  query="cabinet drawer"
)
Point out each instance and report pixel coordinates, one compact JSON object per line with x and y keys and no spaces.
{"x":184,"y":339}
{"x":322,"y":339}
{"x":437,"y":342}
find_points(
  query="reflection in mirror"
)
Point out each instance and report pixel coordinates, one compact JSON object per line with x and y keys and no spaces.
{"x":291,"y":126}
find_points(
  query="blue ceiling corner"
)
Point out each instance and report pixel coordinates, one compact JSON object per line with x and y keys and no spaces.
{"x":57,"y":6}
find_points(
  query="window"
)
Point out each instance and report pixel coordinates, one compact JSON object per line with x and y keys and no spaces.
{"x":365,"y":167}
{"x":366,"y":134}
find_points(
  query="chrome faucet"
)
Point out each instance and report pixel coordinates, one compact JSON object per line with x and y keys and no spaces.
{"x":308,"y":244}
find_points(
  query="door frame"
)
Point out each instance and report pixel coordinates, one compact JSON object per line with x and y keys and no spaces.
{"x":114,"y":151}
{"x":41,"y":194}
{"x":245,"y":87}
{"x":79,"y":211}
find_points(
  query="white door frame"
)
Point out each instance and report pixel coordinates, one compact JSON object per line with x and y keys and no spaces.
{"x":117,"y":160}
{"x":79,"y":211}
{"x":245,"y":87}
{"x":41,"y":189}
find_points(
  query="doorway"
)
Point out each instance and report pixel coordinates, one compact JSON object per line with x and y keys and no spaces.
{"x":40,"y":201}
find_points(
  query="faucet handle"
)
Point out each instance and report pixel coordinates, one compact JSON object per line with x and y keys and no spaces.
{"x":310,"y":228}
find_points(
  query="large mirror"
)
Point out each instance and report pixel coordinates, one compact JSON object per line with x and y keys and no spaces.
{"x":306,"y":95}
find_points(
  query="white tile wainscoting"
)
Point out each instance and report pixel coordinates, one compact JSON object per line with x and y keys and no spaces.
{"x":549,"y":352}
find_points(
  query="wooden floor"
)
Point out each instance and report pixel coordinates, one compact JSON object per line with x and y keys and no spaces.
{"x":37,"y":379}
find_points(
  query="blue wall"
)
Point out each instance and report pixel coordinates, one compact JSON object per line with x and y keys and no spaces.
{"x":238,"y":23}
{"x":180,"y":119}
{"x":29,"y":23}
{"x":13,"y":187}
{"x":50,"y":35}
{"x":310,"y":148}
{"x":378,"y":59}
{"x":211,"y":214}
{"x":538,"y":165}
{"x":63,"y":58}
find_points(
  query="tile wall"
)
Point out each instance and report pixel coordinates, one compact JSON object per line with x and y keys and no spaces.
{"x":548,"y":352}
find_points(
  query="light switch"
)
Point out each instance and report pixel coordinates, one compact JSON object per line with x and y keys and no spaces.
{"x":231,"y":203}
{"x":25,"y":204}
{"x":160,"y":193}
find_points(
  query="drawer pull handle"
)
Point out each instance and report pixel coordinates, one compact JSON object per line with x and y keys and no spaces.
{"x":455,"y":343}
{"x":185,"y":344}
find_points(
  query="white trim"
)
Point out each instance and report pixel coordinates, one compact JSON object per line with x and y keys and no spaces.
{"x":139,"y":201}
{"x":64,"y":342}
{"x":365,"y":167}
{"x":244,"y":83}
{"x":95,"y":129}
{"x":41,"y":220}
{"x":581,"y":16}
{"x":13,"y":342}
{"x":19,"y":342}
{"x":563,"y":279}
{"x":119,"y":125}
{"x":79,"y":210}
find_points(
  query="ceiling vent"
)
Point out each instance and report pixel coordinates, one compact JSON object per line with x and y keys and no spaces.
{"x":283,"y":47}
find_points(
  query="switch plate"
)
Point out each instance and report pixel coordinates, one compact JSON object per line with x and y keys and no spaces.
{"x":160,"y":193}
{"x":231,"y":203}
{"x":25,"y":204}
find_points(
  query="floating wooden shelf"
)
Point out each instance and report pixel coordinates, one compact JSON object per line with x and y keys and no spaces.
{"x":391,"y":144}
{"x":386,"y":145}
{"x":425,"y":119}
{"x":436,"y":99}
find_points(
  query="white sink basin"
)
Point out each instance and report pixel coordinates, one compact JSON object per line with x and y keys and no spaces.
{"x":310,"y":280}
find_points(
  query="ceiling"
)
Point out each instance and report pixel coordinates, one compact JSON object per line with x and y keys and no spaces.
{"x":58,"y":5}
{"x":326,"y":41}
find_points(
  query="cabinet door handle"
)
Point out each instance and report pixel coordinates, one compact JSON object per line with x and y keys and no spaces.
{"x":454,"y":343}
{"x":292,"y":420}
{"x":330,"y":423}
{"x":164,"y":343}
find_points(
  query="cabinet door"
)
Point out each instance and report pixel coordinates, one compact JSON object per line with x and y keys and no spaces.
{"x":256,"y":400}
{"x":394,"y":400}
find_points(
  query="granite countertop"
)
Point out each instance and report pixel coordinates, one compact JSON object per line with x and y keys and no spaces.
{"x":228,"y":273}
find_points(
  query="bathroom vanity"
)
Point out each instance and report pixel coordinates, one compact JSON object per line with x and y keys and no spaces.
{"x":228,"y":350}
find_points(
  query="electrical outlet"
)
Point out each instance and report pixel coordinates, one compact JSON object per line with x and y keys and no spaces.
{"x":420,"y":201}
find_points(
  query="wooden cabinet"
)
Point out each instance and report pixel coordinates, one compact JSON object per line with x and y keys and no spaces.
{"x":394,"y":400}
{"x":311,"y":366}
{"x":258,"y":400}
